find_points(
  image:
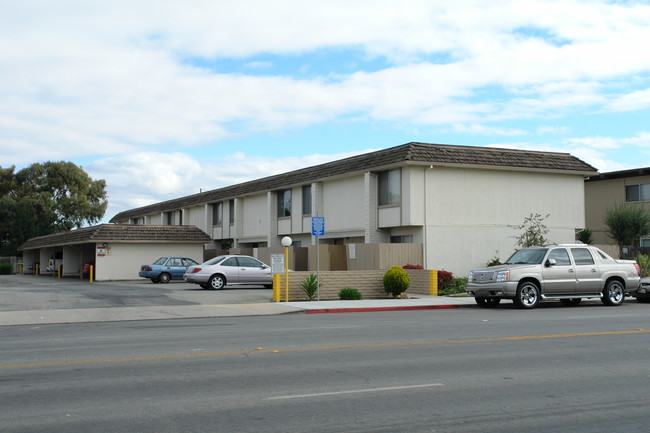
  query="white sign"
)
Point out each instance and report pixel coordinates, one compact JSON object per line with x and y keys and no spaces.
{"x":277,"y":263}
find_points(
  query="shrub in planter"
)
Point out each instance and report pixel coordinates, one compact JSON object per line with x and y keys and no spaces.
{"x":5,"y":268}
{"x":310,"y":286}
{"x":412,"y":267}
{"x":444,"y":279}
{"x":457,"y":285}
{"x":396,"y":281}
{"x":350,"y":294}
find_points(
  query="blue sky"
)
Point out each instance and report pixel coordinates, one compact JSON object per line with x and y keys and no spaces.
{"x":164,"y":99}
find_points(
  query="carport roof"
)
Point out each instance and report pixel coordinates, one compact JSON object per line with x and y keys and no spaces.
{"x":121,"y":233}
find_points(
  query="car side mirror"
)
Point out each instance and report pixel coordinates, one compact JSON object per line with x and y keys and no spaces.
{"x":551,"y":262}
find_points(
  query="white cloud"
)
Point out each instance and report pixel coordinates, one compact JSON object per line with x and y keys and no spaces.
{"x":150,"y":177}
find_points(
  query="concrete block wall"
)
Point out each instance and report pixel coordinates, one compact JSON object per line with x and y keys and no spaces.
{"x":369,"y":283}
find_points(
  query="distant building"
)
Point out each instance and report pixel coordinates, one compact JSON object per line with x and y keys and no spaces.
{"x":460,"y":203}
{"x":629,"y":187}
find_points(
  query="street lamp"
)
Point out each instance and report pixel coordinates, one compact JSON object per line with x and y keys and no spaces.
{"x":286,"y":243}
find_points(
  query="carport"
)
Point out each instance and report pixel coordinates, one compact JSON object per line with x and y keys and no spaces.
{"x":115,"y":251}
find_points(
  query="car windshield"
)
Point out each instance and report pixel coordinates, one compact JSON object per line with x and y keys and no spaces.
{"x":527,"y":256}
{"x":215,"y":260}
{"x":160,"y":261}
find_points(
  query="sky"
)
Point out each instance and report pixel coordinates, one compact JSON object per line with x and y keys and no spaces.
{"x":164,"y":99}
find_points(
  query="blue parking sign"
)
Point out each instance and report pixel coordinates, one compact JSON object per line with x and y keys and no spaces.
{"x":318,"y":226}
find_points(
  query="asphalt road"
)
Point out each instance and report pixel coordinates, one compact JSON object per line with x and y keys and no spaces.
{"x":553,"y":369}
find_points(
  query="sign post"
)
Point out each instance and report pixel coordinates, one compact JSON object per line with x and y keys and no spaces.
{"x":318,"y":229}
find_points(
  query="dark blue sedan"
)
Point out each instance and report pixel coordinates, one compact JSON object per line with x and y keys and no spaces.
{"x":166,"y":268}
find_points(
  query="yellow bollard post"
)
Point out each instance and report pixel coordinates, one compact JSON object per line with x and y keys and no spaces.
{"x":276,"y":287}
{"x":59,"y":268}
{"x":433,"y":283}
{"x":36,"y":269}
{"x":286,"y":274}
{"x":20,"y":269}
{"x":91,"y":273}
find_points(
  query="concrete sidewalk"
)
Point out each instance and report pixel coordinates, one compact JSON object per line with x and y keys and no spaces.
{"x":111,"y":314}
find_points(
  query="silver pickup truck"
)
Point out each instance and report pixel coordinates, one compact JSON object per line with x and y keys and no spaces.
{"x":568,"y":272}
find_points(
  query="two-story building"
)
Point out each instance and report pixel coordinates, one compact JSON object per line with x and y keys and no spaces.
{"x":606,"y":190}
{"x":461,"y":204}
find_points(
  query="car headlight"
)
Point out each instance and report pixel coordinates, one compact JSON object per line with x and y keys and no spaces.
{"x":470,"y":278}
{"x":503,"y":276}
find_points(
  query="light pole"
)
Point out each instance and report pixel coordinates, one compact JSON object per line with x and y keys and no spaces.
{"x":286,"y":243}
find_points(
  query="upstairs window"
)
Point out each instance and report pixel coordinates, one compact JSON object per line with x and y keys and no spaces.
{"x":170,"y":218}
{"x":284,"y":203}
{"x":390,"y":188}
{"x":231,"y":212}
{"x":217,"y":214}
{"x":640,"y":192}
{"x":306,"y":200}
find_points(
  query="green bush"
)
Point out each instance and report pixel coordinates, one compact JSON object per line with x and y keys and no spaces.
{"x":396,"y":281}
{"x":457,"y":285}
{"x":350,"y":294}
{"x":5,"y":268}
{"x":310,"y":286}
{"x":644,"y":264}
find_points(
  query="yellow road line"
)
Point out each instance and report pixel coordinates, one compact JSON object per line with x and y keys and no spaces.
{"x":329,"y":347}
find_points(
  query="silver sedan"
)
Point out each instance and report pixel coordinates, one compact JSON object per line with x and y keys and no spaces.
{"x":229,"y":270}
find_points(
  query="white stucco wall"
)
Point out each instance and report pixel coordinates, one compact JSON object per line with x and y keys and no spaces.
{"x":343,"y":201}
{"x":255,"y":214}
{"x":471,"y":214}
{"x":123,"y":260}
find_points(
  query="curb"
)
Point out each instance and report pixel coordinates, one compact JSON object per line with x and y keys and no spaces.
{"x":374,"y":309}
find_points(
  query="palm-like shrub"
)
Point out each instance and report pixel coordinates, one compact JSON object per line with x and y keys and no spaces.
{"x":310,"y":286}
{"x":396,"y":281}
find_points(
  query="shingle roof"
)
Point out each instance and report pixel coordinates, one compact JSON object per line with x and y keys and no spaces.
{"x":410,"y":153}
{"x":122,"y":233}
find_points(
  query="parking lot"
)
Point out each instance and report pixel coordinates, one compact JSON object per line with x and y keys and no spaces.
{"x":45,"y":292}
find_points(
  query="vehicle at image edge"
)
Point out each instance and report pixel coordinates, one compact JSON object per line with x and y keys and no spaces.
{"x":166,"y":268}
{"x":568,"y":272}
{"x":642,"y":293}
{"x":230,"y":270}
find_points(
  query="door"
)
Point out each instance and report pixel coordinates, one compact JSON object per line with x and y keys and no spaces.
{"x":587,"y":272}
{"x":230,"y":268}
{"x":176,"y":268}
{"x":252,"y":271}
{"x":559,"y":278}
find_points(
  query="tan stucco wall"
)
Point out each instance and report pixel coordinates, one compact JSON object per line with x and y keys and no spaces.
{"x":604,"y":194}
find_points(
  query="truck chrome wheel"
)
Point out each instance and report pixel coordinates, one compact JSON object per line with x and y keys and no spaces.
{"x":527,"y":295}
{"x":614,"y":293}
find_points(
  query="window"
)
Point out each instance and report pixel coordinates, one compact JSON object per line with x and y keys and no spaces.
{"x":284,"y":203}
{"x":582,"y":256}
{"x":306,"y":200}
{"x":390,"y":188}
{"x":561,"y":257}
{"x":645,"y":242}
{"x":217,"y":214}
{"x":232,"y":261}
{"x":169,"y":218}
{"x":231,"y":212}
{"x":249,"y":262}
{"x":640,"y":192}
{"x":404,"y":239}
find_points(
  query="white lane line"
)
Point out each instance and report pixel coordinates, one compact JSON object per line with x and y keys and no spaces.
{"x":353,"y":391}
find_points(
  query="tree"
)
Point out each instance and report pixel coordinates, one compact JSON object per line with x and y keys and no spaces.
{"x":534,"y":231}
{"x":46,"y":198}
{"x":626,"y":224}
